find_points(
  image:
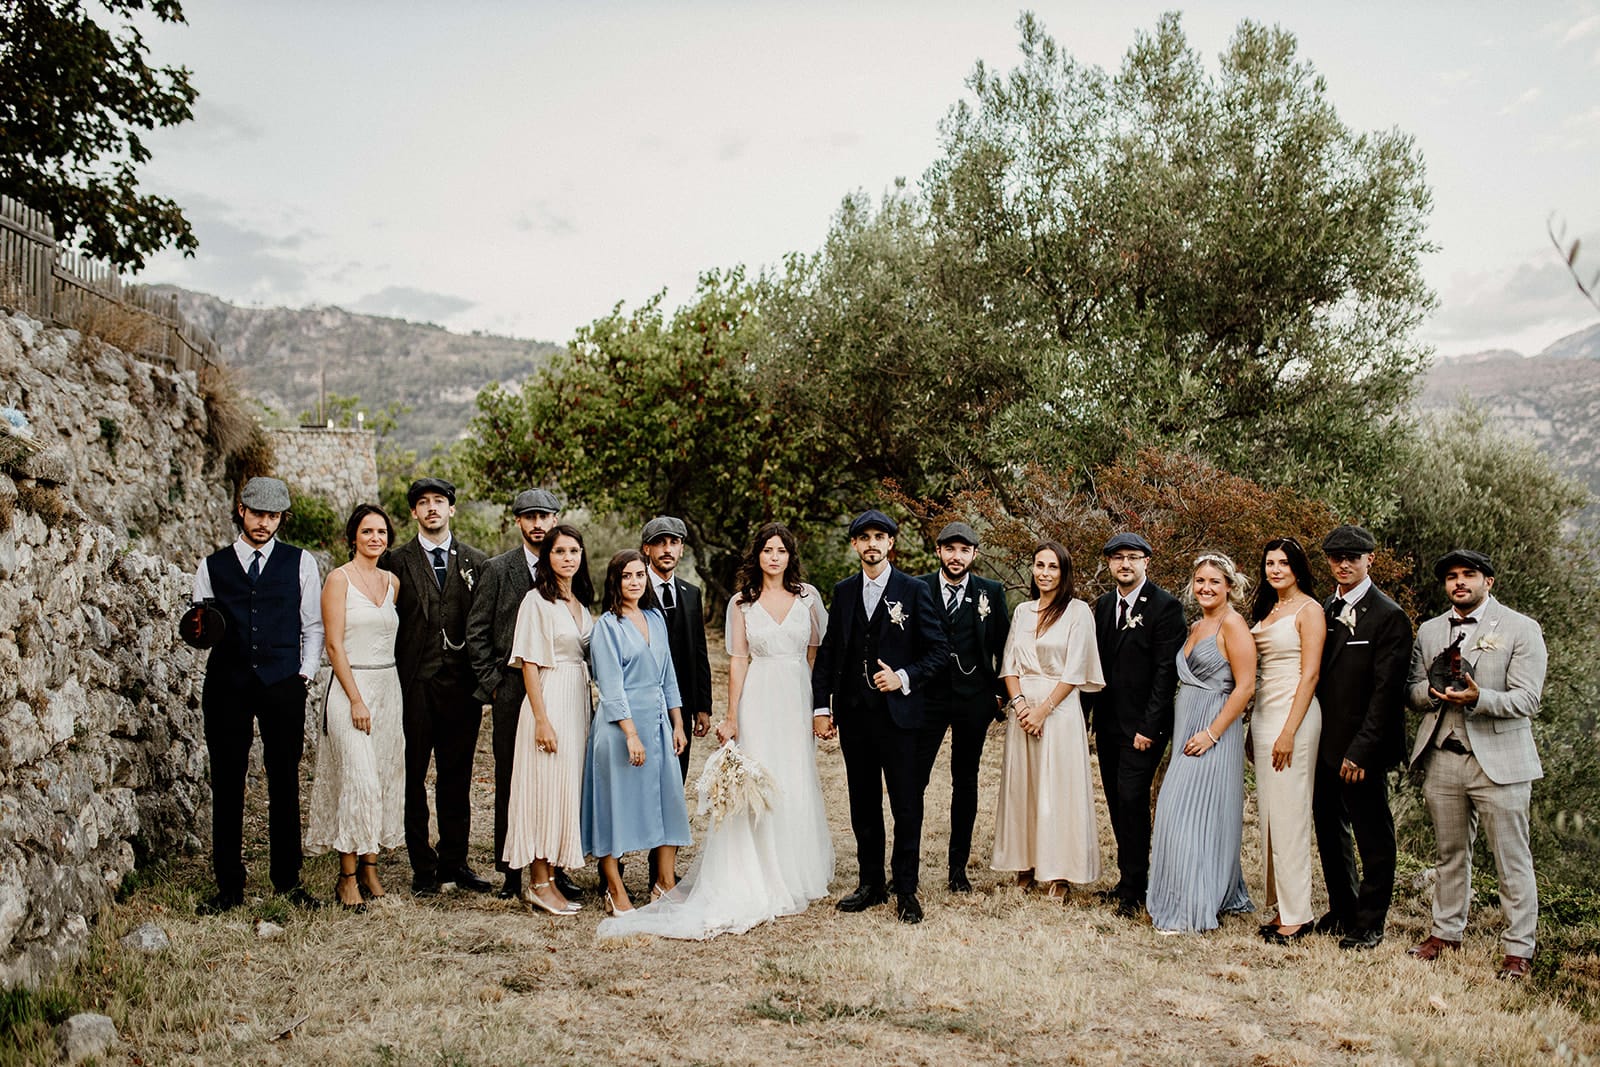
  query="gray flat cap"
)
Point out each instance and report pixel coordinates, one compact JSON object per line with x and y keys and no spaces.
{"x":265,"y":495}
{"x":873,"y":519}
{"x":1127,"y":542}
{"x":664,"y":526}
{"x":1348,"y":541}
{"x":535,"y":500}
{"x":1463,"y":557}
{"x":957,"y":531}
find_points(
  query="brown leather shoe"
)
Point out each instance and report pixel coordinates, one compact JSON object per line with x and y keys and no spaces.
{"x":1515,"y":967}
{"x":1429,"y":950}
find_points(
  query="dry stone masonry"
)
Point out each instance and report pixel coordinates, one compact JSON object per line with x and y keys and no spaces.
{"x":339,"y":465}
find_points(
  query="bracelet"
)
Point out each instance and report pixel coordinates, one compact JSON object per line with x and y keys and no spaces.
{"x":1015,"y":700}
{"x":1213,"y":737}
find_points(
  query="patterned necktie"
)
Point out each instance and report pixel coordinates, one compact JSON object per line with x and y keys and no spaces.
{"x":255,"y":566}
{"x":1122,"y":614}
{"x":667,"y":603}
{"x":950,"y":600}
{"x":438,"y":566}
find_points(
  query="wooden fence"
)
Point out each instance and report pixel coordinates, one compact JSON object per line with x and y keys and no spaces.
{"x":43,"y":279}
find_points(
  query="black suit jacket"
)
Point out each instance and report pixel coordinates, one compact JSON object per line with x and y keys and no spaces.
{"x":915,"y":645}
{"x":1140,"y":664}
{"x":993,"y":625}
{"x":1362,"y":688}
{"x":433,"y":621}
{"x":686,"y":637}
{"x":492,"y":623}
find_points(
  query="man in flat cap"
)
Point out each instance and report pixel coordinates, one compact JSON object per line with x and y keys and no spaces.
{"x":491,"y":624}
{"x":1139,"y":628}
{"x":270,"y":597}
{"x":1477,"y":673}
{"x":662,"y":544}
{"x":885,"y":647}
{"x":965,"y":696}
{"x":438,"y":576}
{"x":1362,"y":691}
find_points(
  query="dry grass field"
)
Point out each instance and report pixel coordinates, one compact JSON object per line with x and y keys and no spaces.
{"x":997,"y":977}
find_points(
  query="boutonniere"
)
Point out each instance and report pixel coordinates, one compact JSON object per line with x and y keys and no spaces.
{"x":983,"y":605}
{"x":1133,"y":620}
{"x":467,"y":576}
{"x":897,"y":613}
{"x":1348,"y":617}
{"x":1486,"y":643}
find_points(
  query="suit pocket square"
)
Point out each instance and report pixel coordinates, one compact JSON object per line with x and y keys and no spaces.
{"x":1347,"y":644}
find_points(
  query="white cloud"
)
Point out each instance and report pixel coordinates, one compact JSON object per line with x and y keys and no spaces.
{"x":1528,"y":96}
{"x":1581,"y":29}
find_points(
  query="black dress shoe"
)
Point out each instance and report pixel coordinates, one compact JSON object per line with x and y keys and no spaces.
{"x":907,"y":908}
{"x":1331,"y":924}
{"x":219,"y":902}
{"x":565,"y":886}
{"x":511,"y":888}
{"x":465,"y":878}
{"x":301,"y":899}
{"x":1361,"y":940}
{"x":1128,"y":908}
{"x":1271,"y":935}
{"x":424,"y":886}
{"x":864,"y":897}
{"x":959,"y":883}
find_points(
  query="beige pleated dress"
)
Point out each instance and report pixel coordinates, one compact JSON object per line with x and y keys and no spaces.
{"x":547,"y":787}
{"x":1044,"y":821}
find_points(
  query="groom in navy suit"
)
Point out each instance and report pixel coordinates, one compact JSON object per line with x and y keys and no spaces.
{"x":885,"y":645}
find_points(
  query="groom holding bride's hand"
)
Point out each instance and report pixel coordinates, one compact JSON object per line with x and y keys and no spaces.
{"x":885,"y":644}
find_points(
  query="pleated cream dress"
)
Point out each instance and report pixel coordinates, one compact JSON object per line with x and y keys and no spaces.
{"x":547,"y":787}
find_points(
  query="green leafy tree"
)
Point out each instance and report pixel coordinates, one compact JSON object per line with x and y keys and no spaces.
{"x":75,"y":95}
{"x":1208,"y":262}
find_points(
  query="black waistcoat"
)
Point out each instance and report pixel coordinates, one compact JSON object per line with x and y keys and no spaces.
{"x":861,"y":657}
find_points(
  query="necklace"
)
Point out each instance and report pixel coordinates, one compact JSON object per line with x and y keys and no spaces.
{"x":355,"y":575}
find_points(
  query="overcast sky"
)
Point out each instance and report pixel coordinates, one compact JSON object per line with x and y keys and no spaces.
{"x":520,"y":167}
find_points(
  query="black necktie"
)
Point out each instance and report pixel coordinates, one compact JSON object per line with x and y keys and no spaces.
{"x":666,"y":597}
{"x":950,"y":600}
{"x":1336,"y":607}
{"x":1122,"y":614}
{"x":438,"y":566}
{"x":255,"y":566}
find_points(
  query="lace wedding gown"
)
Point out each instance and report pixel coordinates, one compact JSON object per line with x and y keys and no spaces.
{"x":754,"y":867}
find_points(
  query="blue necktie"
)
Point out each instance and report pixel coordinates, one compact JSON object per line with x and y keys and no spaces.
{"x":255,"y":566}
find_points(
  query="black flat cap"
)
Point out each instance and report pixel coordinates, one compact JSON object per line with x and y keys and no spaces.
{"x":872,"y":518}
{"x":422,"y":486}
{"x":663,"y":526}
{"x":1348,"y":541}
{"x":535,"y":500}
{"x":958,"y":531}
{"x":1463,"y":557}
{"x":1124,"y":541}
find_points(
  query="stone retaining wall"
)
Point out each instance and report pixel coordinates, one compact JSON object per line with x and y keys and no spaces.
{"x":339,"y":465}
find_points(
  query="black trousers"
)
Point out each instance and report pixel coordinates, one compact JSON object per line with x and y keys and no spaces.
{"x":878,"y":755}
{"x":505,"y":711}
{"x":1127,"y":775}
{"x":441,"y":724}
{"x":1352,"y":818}
{"x":968,"y":725}
{"x":233,"y":705}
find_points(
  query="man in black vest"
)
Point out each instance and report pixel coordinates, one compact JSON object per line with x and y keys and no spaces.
{"x":884,"y":648}
{"x":1362,"y":691}
{"x":491,"y":624}
{"x":1139,"y":628}
{"x":270,"y":598}
{"x":968,"y":694}
{"x":437,"y":577}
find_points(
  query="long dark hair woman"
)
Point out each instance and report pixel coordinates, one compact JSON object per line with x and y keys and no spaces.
{"x":1044,"y":822}
{"x":632,"y":789}
{"x":544,"y":828}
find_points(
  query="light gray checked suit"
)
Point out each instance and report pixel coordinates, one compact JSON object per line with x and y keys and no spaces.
{"x":1504,"y":652}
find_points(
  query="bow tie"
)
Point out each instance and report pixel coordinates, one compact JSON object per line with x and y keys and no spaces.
{"x":1457,"y":621}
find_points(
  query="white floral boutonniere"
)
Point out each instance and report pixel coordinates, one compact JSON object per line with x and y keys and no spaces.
{"x":897,"y":613}
{"x":1132,"y":621}
{"x":467,"y":576}
{"x":1486,"y":643}
{"x":1348,"y":616}
{"x":983,"y":605}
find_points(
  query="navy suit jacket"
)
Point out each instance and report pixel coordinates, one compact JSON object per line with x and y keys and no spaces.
{"x":916,"y":644}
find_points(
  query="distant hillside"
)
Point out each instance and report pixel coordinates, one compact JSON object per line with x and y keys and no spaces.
{"x":1553,"y":397}
{"x":280,"y":355}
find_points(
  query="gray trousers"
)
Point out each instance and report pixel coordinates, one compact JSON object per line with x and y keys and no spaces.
{"x":1460,"y":796}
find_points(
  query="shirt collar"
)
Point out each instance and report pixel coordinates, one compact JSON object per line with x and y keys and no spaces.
{"x":1133,"y":597}
{"x":1354,"y":596}
{"x":880,"y":581}
{"x":244,"y":549}
{"x":531,"y":559}
{"x":1476,"y":614}
{"x":656,"y":580}
{"x":960,"y":587}
{"x":428,"y":544}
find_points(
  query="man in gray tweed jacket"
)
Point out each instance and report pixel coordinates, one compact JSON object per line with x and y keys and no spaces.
{"x":1475,"y":749}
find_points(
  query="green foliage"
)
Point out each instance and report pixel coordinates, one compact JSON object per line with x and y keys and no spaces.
{"x":75,"y":95}
{"x":313,"y":523}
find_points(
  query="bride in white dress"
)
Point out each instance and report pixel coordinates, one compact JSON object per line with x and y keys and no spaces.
{"x":755,"y":866}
